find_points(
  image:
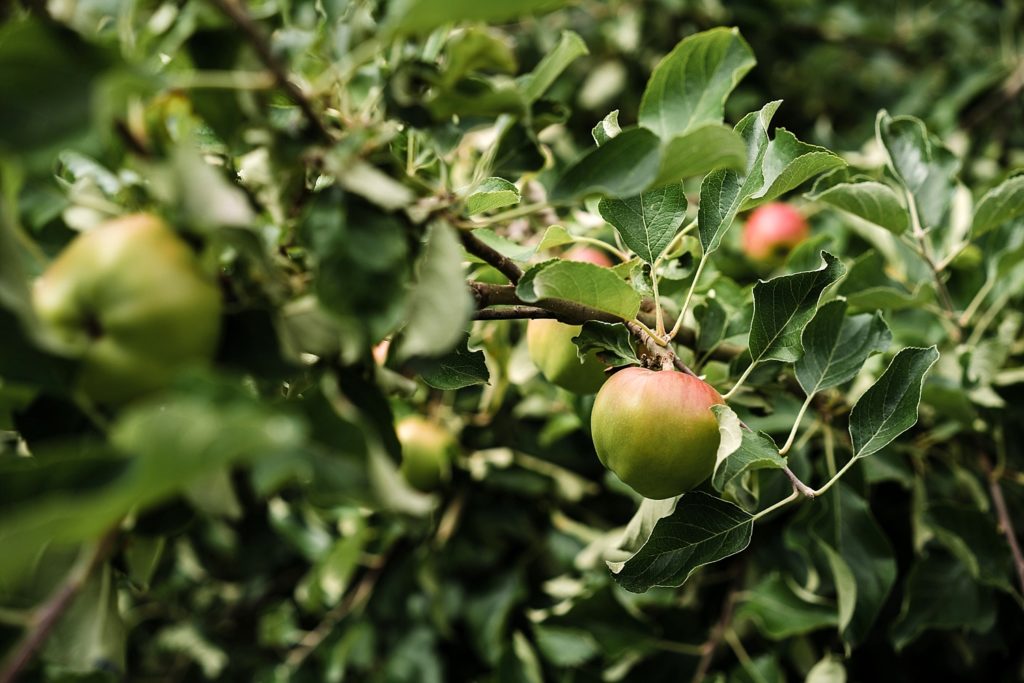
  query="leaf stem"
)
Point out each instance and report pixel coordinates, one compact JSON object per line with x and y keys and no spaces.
{"x":835,"y":477}
{"x":772,"y":508}
{"x":659,"y":316}
{"x":689,"y":295}
{"x":740,"y":381}
{"x":796,"y":425}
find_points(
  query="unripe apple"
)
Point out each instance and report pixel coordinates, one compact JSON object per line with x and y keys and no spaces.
{"x":772,"y":230}
{"x":552,"y":349}
{"x":129,"y":300}
{"x":656,"y":431}
{"x":427,"y":451}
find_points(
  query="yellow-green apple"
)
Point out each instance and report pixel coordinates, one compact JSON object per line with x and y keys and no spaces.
{"x":656,"y":430}
{"x":129,"y":299}
{"x":772,"y":230}
{"x":427,"y":452}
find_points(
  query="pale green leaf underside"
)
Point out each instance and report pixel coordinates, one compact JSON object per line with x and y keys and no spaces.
{"x":1000,"y":204}
{"x":871,"y":201}
{"x":493,"y":193}
{"x":755,"y":451}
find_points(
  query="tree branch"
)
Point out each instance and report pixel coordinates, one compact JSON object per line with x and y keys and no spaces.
{"x":477,"y":248}
{"x":46,"y":616}
{"x":715,"y":637}
{"x":235,"y":11}
{"x":1005,"y":521}
{"x":514,"y":313}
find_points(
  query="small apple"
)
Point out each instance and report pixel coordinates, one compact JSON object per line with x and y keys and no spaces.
{"x":589,"y":255}
{"x":129,"y":299}
{"x":772,"y":230}
{"x":656,"y":431}
{"x":427,"y":452}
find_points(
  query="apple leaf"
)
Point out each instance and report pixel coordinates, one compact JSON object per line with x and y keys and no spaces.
{"x":871,"y":201}
{"x":583,"y":283}
{"x":974,"y":538}
{"x":1002,"y":203}
{"x":570,"y":46}
{"x":612,"y":341}
{"x":690,"y":85}
{"x":423,"y":16}
{"x":699,"y":151}
{"x":491,"y":194}
{"x":457,"y":369}
{"x":779,"y":613}
{"x":889,"y":407}
{"x":836,"y":346}
{"x":867,"y":287}
{"x":702,"y":529}
{"x":606,"y":128}
{"x":649,"y":221}
{"x":784,"y":305}
{"x":787,"y":164}
{"x":755,"y":451}
{"x":624,"y":166}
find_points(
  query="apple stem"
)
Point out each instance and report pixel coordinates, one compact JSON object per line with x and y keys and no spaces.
{"x":796,"y":426}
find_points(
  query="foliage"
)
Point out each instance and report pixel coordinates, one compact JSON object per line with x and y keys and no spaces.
{"x":354,"y":172}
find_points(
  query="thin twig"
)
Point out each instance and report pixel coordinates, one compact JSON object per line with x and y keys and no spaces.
{"x":45,"y":618}
{"x":502,"y":263}
{"x":715,"y":637}
{"x":235,"y":11}
{"x":515,"y":313}
{"x":1005,"y":522}
{"x":803,"y":488}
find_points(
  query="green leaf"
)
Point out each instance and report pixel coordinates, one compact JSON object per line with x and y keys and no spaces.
{"x":583,"y":283}
{"x":784,"y":305}
{"x":491,"y":194}
{"x":974,"y":538}
{"x":570,"y":46}
{"x":889,"y":407}
{"x":724,"y":191}
{"x":606,"y":129}
{"x":708,"y":148}
{"x":566,"y":647}
{"x":457,"y":369}
{"x":713,"y":320}
{"x":423,"y":16}
{"x":926,"y":168}
{"x":779,"y":613}
{"x":440,"y":304}
{"x":829,"y":669}
{"x":787,"y":164}
{"x":649,"y":221}
{"x":624,"y":166}
{"x":612,"y":341}
{"x":1000,"y":204}
{"x":702,"y":529}
{"x":554,"y":236}
{"x":836,"y":346}
{"x":756,"y":451}
{"x":872,"y":201}
{"x":690,"y":85}
{"x":940,"y":594}
{"x":867,"y":287}
{"x":505,"y":246}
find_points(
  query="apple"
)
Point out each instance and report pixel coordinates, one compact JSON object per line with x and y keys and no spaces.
{"x":772,"y":230}
{"x":656,"y":430}
{"x":427,"y":451}
{"x":552,"y":349}
{"x":130,"y":301}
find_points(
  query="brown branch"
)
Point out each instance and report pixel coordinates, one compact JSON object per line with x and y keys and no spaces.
{"x":235,"y":11}
{"x":801,"y":487}
{"x":515,"y":313}
{"x":493,"y":295}
{"x":49,"y":613}
{"x":715,"y":637}
{"x":1005,"y":522}
{"x":505,"y":265}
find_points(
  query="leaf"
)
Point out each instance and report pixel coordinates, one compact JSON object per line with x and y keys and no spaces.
{"x":624,"y":166}
{"x":554,"y":236}
{"x":829,"y":669}
{"x":974,"y":538}
{"x":569,"y":47}
{"x":788,"y":163}
{"x":889,"y":407}
{"x":781,"y":614}
{"x":940,"y":594}
{"x":701,"y":530}
{"x":505,"y":246}
{"x":566,"y":647}
{"x":440,"y":303}
{"x":926,"y":168}
{"x":1000,"y":204}
{"x":871,"y":201}
{"x":579,"y":282}
{"x":690,"y":85}
{"x":756,"y":451}
{"x":784,"y":305}
{"x":612,"y":341}
{"x":606,"y":129}
{"x":700,"y":151}
{"x":867,"y":287}
{"x":649,"y":221}
{"x":836,"y":346}
{"x":491,"y":194}
{"x":423,"y":16}
{"x":457,"y":369}
{"x":723,"y":192}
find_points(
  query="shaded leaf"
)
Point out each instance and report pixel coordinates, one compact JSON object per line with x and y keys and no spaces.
{"x":871,"y":201}
{"x":580,"y":282}
{"x":756,"y":451}
{"x":788,"y":163}
{"x":649,"y":221}
{"x":569,"y":47}
{"x":779,"y":613}
{"x":836,"y":346}
{"x":455,"y":370}
{"x":624,"y":166}
{"x":612,"y":341}
{"x":1002,"y":203}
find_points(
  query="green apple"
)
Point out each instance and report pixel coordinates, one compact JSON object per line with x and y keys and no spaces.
{"x":772,"y":230}
{"x":427,"y":452}
{"x":553,"y":351}
{"x":656,"y":431}
{"x":129,"y":299}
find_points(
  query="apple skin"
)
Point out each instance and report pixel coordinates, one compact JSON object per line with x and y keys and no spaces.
{"x":772,"y":230}
{"x":552,"y":350}
{"x":130,"y":301}
{"x":427,"y":450}
{"x":656,"y":431}
{"x":589,"y":255}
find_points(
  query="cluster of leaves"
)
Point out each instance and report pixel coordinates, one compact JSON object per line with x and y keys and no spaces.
{"x":345,"y":167}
